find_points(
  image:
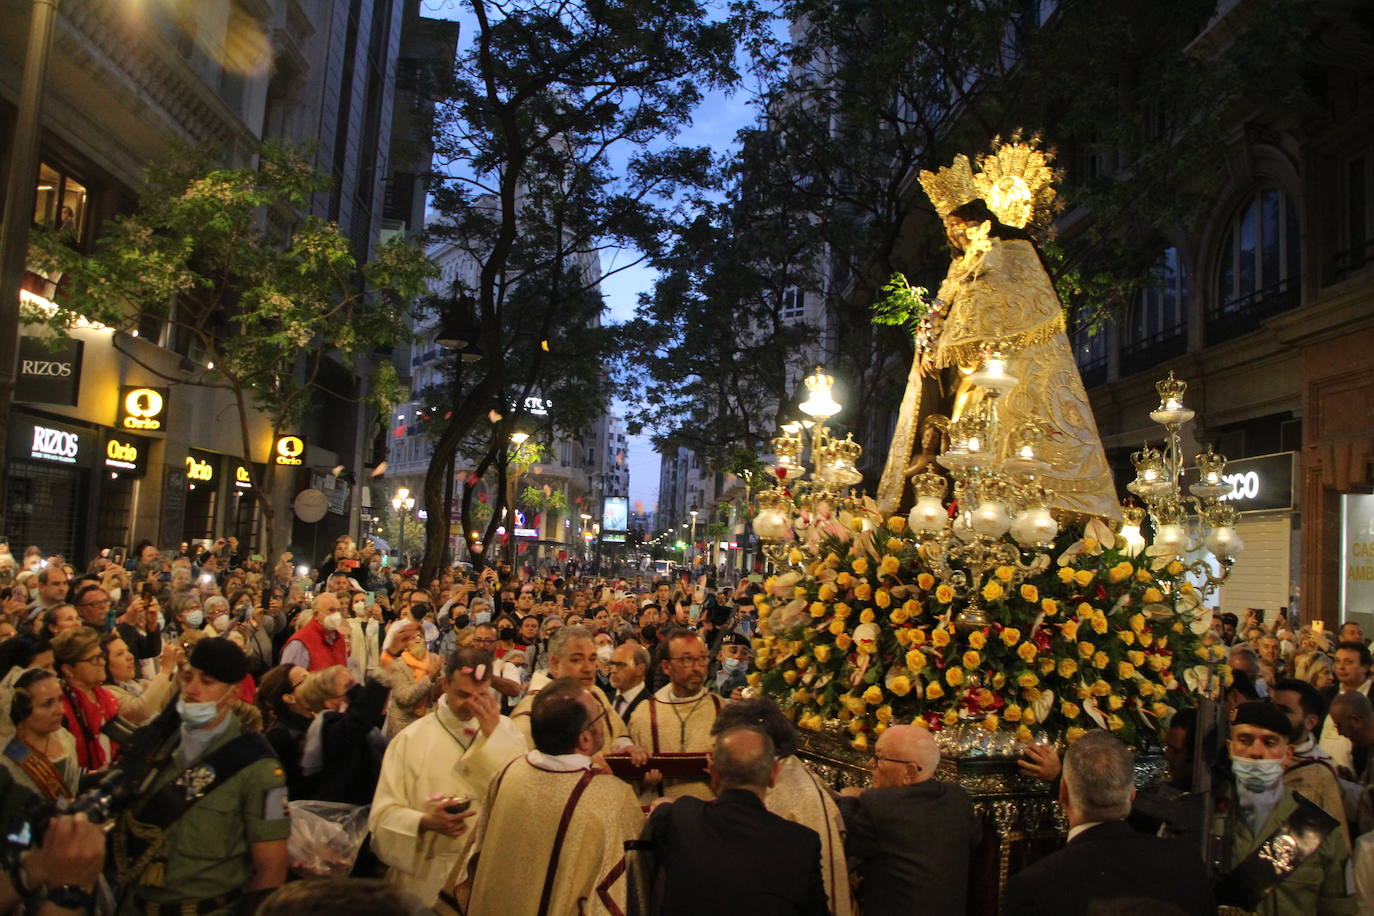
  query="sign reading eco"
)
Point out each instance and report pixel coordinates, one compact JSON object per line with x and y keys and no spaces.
{"x":142,"y":409}
{"x":289,"y":451}
{"x":1259,"y":484}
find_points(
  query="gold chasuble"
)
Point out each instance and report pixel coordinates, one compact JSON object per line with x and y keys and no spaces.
{"x":551,"y":840}
{"x":800,"y":797}
{"x":668,"y":724}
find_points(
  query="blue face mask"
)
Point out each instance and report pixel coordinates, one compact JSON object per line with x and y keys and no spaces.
{"x":195,"y":619}
{"x":732,"y":664}
{"x":483,"y":617}
{"x":1256,"y":775}
{"x":197,"y":715}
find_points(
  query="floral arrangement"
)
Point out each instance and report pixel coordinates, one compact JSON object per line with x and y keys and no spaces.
{"x":861,"y":635}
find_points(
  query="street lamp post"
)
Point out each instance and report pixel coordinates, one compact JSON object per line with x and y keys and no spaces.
{"x":693,"y":513}
{"x":517,"y":439}
{"x":402,"y":502}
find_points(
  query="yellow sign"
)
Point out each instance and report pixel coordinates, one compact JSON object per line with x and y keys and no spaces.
{"x":289,"y":451}
{"x":143,"y":409}
{"x":121,"y":451}
{"x":241,"y":475}
{"x":199,"y":470}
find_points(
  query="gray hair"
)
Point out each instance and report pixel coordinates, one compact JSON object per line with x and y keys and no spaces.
{"x":559,"y":640}
{"x":1099,"y":770}
{"x":214,"y":603}
{"x":1249,"y":660}
{"x":743,"y":757}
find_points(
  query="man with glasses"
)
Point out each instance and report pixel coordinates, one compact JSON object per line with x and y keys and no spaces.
{"x":506,"y":677}
{"x":93,"y":604}
{"x":679,"y":717}
{"x":889,"y":826}
{"x":552,"y":839}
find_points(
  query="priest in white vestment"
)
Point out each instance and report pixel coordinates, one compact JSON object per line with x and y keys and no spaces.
{"x":798,"y":794}
{"x":456,"y":750}
{"x":678,"y":718}
{"x":551,"y":837}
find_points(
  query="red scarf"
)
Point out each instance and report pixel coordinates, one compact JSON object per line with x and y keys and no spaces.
{"x":84,"y":718}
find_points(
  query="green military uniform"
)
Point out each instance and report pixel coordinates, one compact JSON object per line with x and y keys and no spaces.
{"x":1316,"y":887}
{"x":204,"y":861}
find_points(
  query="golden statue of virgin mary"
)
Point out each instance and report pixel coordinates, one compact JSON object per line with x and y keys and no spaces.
{"x":998,"y":294}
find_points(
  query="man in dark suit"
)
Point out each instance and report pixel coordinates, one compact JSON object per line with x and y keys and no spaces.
{"x":1105,"y":858}
{"x":910,"y":834}
{"x":732,"y":855}
{"x":629,"y":665}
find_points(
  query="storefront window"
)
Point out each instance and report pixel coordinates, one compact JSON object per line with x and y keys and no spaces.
{"x":60,"y":202}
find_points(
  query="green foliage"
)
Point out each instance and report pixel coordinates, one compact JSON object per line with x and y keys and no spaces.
{"x":901,"y":304}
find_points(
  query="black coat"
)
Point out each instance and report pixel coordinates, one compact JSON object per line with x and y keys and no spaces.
{"x":1111,"y":861}
{"x":893,"y":832}
{"x":734,"y":856}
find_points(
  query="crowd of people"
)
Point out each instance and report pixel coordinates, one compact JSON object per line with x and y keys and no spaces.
{"x":554,"y":742}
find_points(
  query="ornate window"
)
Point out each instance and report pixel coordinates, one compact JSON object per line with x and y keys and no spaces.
{"x":1259,"y":265}
{"x":1158,"y":327}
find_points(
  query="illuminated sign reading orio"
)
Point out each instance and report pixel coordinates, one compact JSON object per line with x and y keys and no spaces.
{"x":143,"y":409}
{"x":123,"y":455}
{"x":199,"y":471}
{"x":289,"y":451}
{"x":242,"y":479}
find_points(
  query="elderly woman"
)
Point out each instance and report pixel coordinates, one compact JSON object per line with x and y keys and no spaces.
{"x":86,"y":704}
{"x":187,"y":616}
{"x":41,"y":756}
{"x":343,"y":751}
{"x":139,"y":699}
{"x":412,"y":686}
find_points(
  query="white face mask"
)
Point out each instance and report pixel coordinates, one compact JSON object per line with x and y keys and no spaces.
{"x":116,"y":594}
{"x":221,"y":623}
{"x":603,"y":653}
{"x":332,"y":621}
{"x":1256,"y":775}
{"x":359,"y":609}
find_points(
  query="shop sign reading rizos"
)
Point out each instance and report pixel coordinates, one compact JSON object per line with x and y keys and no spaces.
{"x":289,"y":451}
{"x":143,"y":409}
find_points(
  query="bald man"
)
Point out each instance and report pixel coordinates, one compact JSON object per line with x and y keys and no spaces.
{"x":889,"y":826}
{"x":1353,"y":716}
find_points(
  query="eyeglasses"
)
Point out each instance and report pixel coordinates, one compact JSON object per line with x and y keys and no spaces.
{"x":908,"y":763}
{"x":92,"y":660}
{"x":595,"y":719}
{"x":690,"y":661}
{"x":483,"y":641}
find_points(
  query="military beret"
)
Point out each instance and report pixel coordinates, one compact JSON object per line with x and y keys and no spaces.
{"x":1263,"y":715}
{"x":221,"y":659}
{"x":734,"y":639}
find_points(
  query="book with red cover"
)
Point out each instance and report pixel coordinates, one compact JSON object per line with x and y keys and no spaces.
{"x":672,"y":766}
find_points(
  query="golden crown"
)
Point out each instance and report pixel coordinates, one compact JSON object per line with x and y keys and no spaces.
{"x":1015,"y":180}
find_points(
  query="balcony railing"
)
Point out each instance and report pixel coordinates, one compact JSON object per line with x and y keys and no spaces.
{"x":1148,"y":352}
{"x":1246,"y":314}
{"x":1352,"y":259}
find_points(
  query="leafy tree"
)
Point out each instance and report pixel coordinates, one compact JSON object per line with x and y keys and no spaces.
{"x":545,"y":156}
{"x":270,"y":315}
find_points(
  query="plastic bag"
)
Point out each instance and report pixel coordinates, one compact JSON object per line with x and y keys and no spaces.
{"x":325,"y":838}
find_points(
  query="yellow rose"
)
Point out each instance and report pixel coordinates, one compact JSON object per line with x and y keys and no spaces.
{"x":764,"y":610}
{"x":1065,"y":575}
{"x":882,"y":713}
{"x":986,"y":698}
{"x":1050,"y":607}
{"x":1146,"y":638}
{"x":1069,"y":710}
{"x":873,"y":695}
{"x":972,"y":659}
{"x":900,"y":685}
{"x":866,"y":615}
{"x":1027,"y":652}
{"x":856,"y":725}
{"x":1082,"y":691}
{"x":1012,"y":713}
{"x":1046,"y":665}
{"x":895,"y":545}
{"x":934,"y":692}
{"x":1027,"y":716}
{"x":832,"y":559}
{"x":1030,"y":593}
{"x":1005,"y":573}
{"x":1137,"y":658}
{"x":1152,"y":595}
{"x":822,"y":653}
{"x":898,"y":615}
{"x":1186,"y":588}
{"x":944,"y":594}
{"x":1114,"y":723}
{"x":795,"y":555}
{"x":789,"y":676}
{"x":1126,"y":636}
{"x":897,"y":523}
{"x":1067,"y":667}
{"x":811,"y":723}
{"x":799,"y":593}
{"x":1010,"y":636}
{"x":836,"y":627}
{"x":860,"y":566}
{"x":826,"y":592}
{"x":1023,"y":735}
{"x":1100,"y":660}
{"x":803,"y":662}
{"x":863,"y":591}
{"x":859,"y":742}
{"x":1125,"y":670}
{"x":1083,"y":577}
{"x":1027,"y":679}
{"x":890,"y":566}
{"x":1175,"y":568}
{"x":952,"y":717}
{"x":939,"y":638}
{"x":1114,"y":702}
{"x":925,"y":582}
{"x":1070,"y":630}
{"x":855,"y":705}
{"x":882,"y":597}
{"x":1160,"y":710}
{"x":1074,"y":734}
{"x":954,"y":676}
{"x":918,"y":637}
{"x":1138,"y":622}
{"x":1030,"y":694}
{"x":1120,"y":572}
{"x":754,"y":678}
{"x":1086,"y":649}
{"x":903,"y":634}
{"x":1178,"y":626}
{"x":1099,"y":623}
{"x":998,"y":680}
{"x":817,"y":609}
{"x":843,"y":642}
{"x":977,"y":639}
{"x":992,"y":591}
{"x":844,"y":580}
{"x":1091,"y":545}
{"x":989,"y":723}
{"x":842,"y":611}
{"x":801,"y":697}
{"x":912,"y":606}
{"x":1100,"y":688}
{"x":1084,"y":610}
